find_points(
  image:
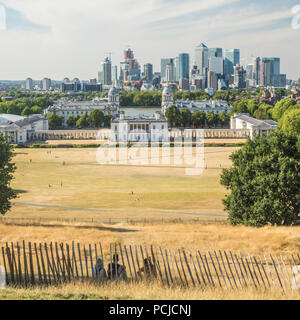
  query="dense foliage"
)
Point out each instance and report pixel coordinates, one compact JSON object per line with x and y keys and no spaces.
{"x":7,"y":168}
{"x":264,"y":182}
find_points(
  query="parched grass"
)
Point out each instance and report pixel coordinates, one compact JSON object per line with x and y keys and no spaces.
{"x":141,"y":291}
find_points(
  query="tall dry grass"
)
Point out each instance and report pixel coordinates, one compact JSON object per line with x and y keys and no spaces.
{"x":141,"y":291}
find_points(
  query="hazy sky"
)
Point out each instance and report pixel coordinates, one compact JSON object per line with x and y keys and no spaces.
{"x":70,"y":38}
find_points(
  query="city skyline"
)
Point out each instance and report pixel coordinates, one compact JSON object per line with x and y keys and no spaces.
{"x":42,"y":40}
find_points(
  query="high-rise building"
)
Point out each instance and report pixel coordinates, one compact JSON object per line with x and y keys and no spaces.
{"x":184,"y":66}
{"x":163,"y":66}
{"x":184,"y":84}
{"x":105,"y":74}
{"x":177,"y":68}
{"x":239,"y":76}
{"x":215,"y":52}
{"x":231,"y":59}
{"x":114,"y":73}
{"x":130,"y":68}
{"x":29,"y":84}
{"x":201,"y":58}
{"x":216,"y":64}
{"x":46,"y":84}
{"x":270,"y":73}
{"x":212,"y":80}
{"x":148,"y":72}
{"x":170,"y":73}
{"x":256,"y":71}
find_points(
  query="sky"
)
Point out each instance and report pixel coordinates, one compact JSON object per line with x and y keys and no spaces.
{"x":70,"y":38}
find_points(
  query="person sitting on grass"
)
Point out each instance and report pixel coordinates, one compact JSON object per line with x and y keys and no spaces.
{"x":115,"y":270}
{"x":148,"y":269}
{"x":99,"y":271}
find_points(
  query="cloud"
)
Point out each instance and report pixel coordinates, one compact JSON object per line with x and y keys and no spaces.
{"x":57,"y":38}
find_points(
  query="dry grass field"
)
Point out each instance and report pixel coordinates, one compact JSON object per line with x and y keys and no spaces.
{"x":141,"y":291}
{"x":51,"y":190}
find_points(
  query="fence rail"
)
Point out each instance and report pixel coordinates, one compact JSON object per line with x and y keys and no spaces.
{"x":29,"y":264}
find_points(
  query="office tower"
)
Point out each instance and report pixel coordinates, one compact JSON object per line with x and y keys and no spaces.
{"x":239,"y":76}
{"x":114,"y":73}
{"x":29,"y":84}
{"x":177,"y":68}
{"x":184,"y":84}
{"x":249,"y":71}
{"x":184,"y":66}
{"x":105,"y":74}
{"x":46,"y":84}
{"x":212,"y":80}
{"x":231,"y":59}
{"x":216,"y":64}
{"x":256,"y":71}
{"x":163,"y":66}
{"x":170,"y":73}
{"x":130,"y":68}
{"x":270,"y":73}
{"x":201,"y":58}
{"x":215,"y":52}
{"x":148,"y":72}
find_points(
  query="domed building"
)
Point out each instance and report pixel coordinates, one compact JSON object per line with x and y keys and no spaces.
{"x":114,"y":97}
{"x":167,"y":99}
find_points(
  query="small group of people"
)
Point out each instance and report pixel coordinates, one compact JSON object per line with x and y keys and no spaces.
{"x":114,"y":269}
{"x":118,"y":271}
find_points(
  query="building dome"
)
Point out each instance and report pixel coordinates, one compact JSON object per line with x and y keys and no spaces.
{"x":167,"y":90}
{"x":113,"y":90}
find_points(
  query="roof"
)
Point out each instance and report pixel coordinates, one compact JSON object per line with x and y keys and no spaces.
{"x":27,"y":121}
{"x":256,"y":122}
{"x":10,"y":117}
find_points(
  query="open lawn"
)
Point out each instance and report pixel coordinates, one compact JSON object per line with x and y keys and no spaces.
{"x":80,"y":182}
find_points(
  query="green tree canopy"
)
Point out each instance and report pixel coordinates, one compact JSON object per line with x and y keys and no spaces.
{"x":282,"y":106}
{"x":290,"y":122}
{"x":264,"y":182}
{"x":55,"y":121}
{"x":185,"y":118}
{"x":83,"y":121}
{"x":198,"y":118}
{"x":96,"y":118}
{"x":7,"y":169}
{"x":173,"y":116}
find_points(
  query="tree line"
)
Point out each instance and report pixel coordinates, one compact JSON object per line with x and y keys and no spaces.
{"x":198,"y":119}
{"x":96,"y":119}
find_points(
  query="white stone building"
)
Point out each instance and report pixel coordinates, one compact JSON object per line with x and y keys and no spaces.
{"x":66,"y":108}
{"x":139,"y":129}
{"x":255,"y":126}
{"x":216,"y":106}
{"x":17,"y":128}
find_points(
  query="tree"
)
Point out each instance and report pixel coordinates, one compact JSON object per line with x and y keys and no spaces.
{"x":185,"y":118}
{"x":264,"y":182}
{"x":224,"y":118}
{"x":83,"y":121}
{"x":55,"y":121}
{"x":290,"y":122}
{"x":26,"y":112}
{"x":282,"y":106}
{"x":173,"y":116}
{"x":198,"y":118}
{"x":264,"y":112}
{"x":212,"y":118}
{"x":96,"y":118}
{"x":7,"y":168}
{"x":71,"y":121}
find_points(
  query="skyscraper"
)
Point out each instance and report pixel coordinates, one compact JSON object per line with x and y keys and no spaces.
{"x":201,"y":58}
{"x":270,"y":70}
{"x":215,"y":52}
{"x":29,"y":84}
{"x":239,"y":76}
{"x":148,"y":72}
{"x":114,"y":73}
{"x":184,"y":66}
{"x":46,"y":84}
{"x":105,"y":74}
{"x":216,"y":64}
{"x":163,"y":66}
{"x":256,"y":71}
{"x":231,"y":59}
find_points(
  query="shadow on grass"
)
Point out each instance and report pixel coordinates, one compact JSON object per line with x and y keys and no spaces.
{"x":46,"y":225}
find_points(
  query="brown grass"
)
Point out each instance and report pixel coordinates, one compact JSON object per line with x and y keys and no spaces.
{"x":141,"y":291}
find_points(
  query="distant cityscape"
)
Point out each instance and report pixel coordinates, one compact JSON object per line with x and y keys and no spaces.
{"x":211,"y":69}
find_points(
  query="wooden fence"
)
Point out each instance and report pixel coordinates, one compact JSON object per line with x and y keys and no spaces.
{"x":29,"y":264}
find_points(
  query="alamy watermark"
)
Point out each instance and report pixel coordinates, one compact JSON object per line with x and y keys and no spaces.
{"x":296,"y":18}
{"x":180,"y":149}
{"x":2,"y":17}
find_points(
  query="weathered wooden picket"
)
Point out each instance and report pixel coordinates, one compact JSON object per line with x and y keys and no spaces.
{"x":29,"y":264}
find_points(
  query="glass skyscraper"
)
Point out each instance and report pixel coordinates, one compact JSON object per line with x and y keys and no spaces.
{"x":231,"y":59}
{"x":184,"y":65}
